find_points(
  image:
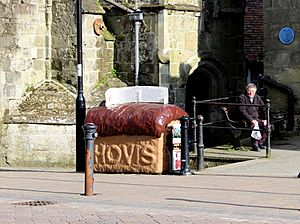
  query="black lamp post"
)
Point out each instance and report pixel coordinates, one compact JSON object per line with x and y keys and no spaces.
{"x":80,"y":101}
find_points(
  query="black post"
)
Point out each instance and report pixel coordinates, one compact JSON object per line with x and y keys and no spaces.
{"x":194,"y":125}
{"x":200,"y":145}
{"x":185,"y":159}
{"x":268,"y":150}
{"x":90,"y":135}
{"x":80,"y":101}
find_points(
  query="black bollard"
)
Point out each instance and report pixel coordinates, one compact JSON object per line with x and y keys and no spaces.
{"x":194,"y":125}
{"x":89,"y":135}
{"x":200,"y":145}
{"x":185,"y":159}
{"x":268,"y":150}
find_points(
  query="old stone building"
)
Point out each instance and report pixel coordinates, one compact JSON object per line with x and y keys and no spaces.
{"x":206,"y":49}
{"x":281,"y":55}
{"x":38,"y":49}
{"x":38,"y":78}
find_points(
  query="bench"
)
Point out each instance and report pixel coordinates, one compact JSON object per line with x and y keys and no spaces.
{"x":230,"y":114}
{"x":232,"y":120}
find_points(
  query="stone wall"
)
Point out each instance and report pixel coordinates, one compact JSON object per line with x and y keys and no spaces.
{"x":41,"y":131}
{"x":62,"y":41}
{"x":221,"y":40}
{"x":182,"y":49}
{"x":38,"y":41}
{"x":39,"y":145}
{"x":168,"y":44}
{"x":282,"y":61}
{"x":23,"y":44}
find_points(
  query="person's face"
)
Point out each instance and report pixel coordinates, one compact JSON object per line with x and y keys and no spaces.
{"x":251,"y":92}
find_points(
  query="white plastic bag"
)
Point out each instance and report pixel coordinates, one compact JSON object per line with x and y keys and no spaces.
{"x":256,"y":133}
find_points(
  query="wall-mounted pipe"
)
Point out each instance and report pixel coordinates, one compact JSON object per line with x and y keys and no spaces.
{"x":137,"y":18}
{"x":291,"y":98}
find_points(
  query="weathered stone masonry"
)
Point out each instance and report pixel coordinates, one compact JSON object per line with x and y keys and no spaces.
{"x":38,"y":58}
{"x":38,"y":61}
{"x":38,"y":52}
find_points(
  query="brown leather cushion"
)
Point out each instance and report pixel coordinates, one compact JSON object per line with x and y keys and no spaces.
{"x":134,"y":118}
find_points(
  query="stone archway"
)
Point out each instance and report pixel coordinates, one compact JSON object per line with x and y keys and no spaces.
{"x":208,"y":81}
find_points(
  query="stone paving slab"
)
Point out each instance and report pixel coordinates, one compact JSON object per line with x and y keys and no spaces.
{"x":257,"y":191}
{"x":284,"y":160}
{"x":148,"y":198}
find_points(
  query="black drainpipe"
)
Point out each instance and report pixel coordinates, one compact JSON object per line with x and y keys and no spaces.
{"x":288,"y":91}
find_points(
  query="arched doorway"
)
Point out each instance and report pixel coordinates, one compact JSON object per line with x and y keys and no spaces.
{"x":208,"y":81}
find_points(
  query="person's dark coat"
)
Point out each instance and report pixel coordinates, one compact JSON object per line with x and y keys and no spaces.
{"x":250,"y":113}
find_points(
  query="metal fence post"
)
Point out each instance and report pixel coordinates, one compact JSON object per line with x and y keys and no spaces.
{"x":268,"y":150}
{"x":194,"y":125}
{"x":200,"y":145}
{"x":185,"y":158}
{"x":90,"y":135}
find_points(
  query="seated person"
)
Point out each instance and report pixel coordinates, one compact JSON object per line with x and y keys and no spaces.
{"x":253,"y":114}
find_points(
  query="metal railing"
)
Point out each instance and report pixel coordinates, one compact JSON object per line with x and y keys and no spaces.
{"x":197,"y":126}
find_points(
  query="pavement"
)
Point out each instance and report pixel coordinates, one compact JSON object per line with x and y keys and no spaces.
{"x":259,"y":190}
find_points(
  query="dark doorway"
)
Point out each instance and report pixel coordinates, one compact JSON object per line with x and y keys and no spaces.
{"x":197,"y":86}
{"x":208,"y":81}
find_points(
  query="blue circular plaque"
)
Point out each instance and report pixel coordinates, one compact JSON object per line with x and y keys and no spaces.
{"x":286,"y":35}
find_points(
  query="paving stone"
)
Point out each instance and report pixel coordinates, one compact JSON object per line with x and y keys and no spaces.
{"x":251,"y":192}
